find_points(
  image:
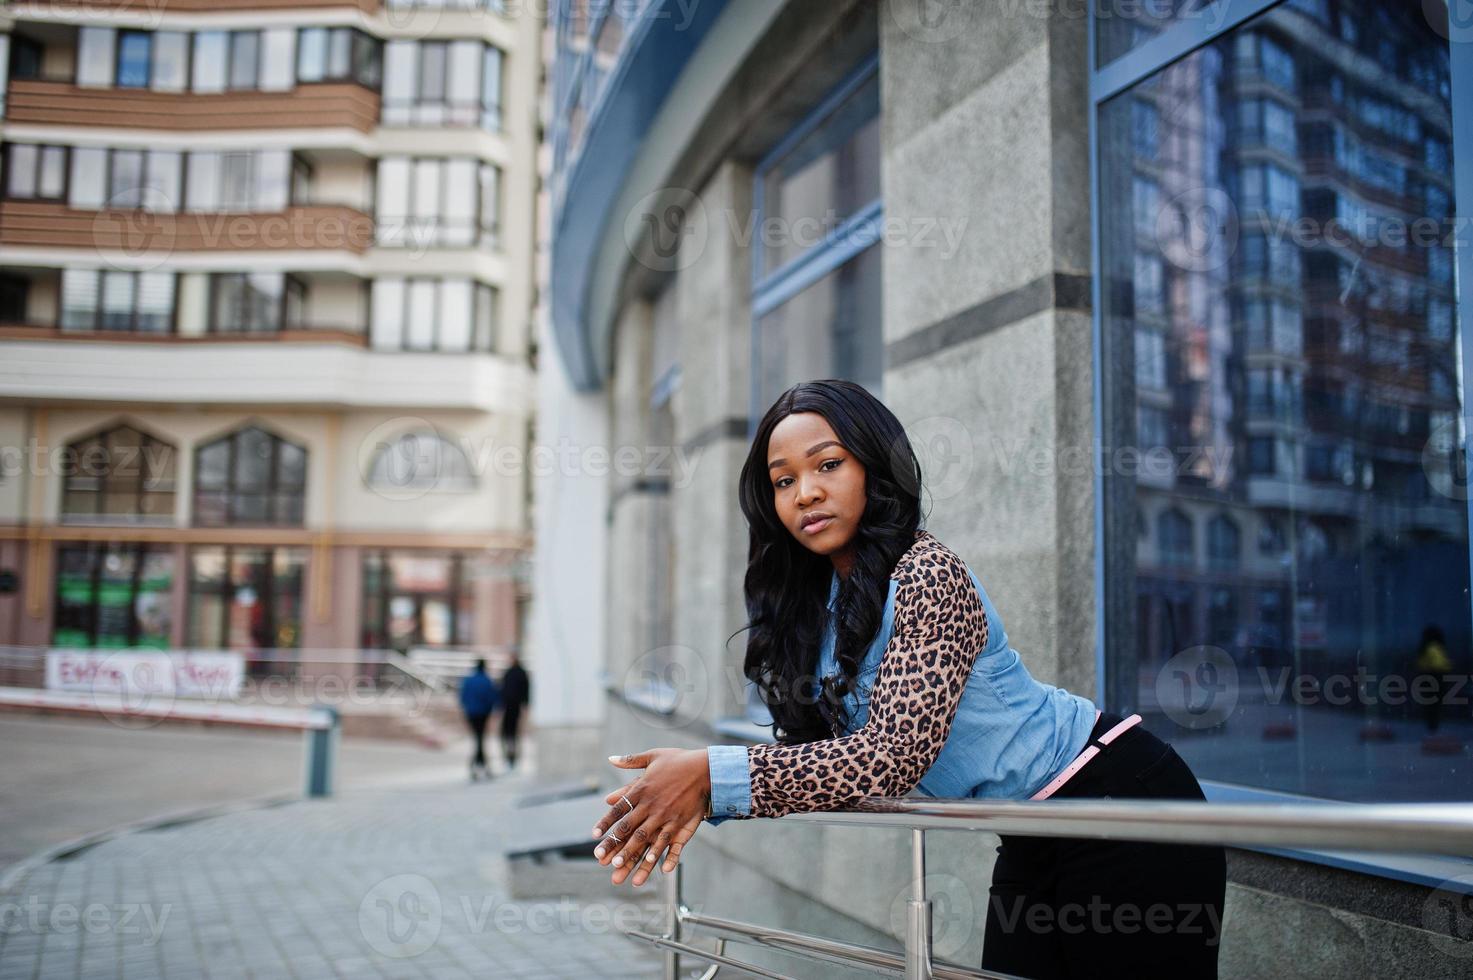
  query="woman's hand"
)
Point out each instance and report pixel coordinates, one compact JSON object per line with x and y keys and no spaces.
{"x":669,"y":802}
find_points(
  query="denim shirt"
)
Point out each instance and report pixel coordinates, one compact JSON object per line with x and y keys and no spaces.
{"x":1010,"y":736}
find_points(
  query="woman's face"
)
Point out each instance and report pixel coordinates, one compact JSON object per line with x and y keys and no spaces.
{"x":817,"y":484}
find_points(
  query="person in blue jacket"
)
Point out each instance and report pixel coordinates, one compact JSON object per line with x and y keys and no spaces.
{"x":478,"y":699}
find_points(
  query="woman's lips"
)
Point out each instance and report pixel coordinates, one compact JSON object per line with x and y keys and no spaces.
{"x":817,"y":526}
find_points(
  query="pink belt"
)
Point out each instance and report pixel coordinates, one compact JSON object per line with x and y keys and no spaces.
{"x":1090,"y":751}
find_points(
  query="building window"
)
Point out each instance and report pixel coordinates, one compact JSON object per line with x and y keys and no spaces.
{"x":245,"y":60}
{"x":420,"y":461}
{"x":1174,"y":536}
{"x":1291,"y":112}
{"x":442,"y":83}
{"x":111,"y":299}
{"x":113,"y":596}
{"x":238,"y":180}
{"x":245,"y":598}
{"x":249,"y":477}
{"x":432,"y":314}
{"x":119,"y":476}
{"x":135,"y":52}
{"x":416,"y":599}
{"x":817,"y":300}
{"x":255,"y":302}
{"x":1223,"y":542}
{"x":36,"y":173}
{"x":228,"y":60}
{"x":436,"y":202}
{"x":124,"y":178}
{"x":337,"y":54}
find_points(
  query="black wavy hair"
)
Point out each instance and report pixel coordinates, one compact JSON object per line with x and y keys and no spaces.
{"x":787,"y":586}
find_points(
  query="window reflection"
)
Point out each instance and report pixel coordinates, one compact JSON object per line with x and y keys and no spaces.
{"x":1276,"y":211}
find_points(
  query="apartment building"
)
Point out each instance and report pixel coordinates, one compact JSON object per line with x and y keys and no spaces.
{"x":265,"y":351}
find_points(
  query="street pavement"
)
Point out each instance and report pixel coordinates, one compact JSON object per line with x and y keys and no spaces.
{"x":401,"y":876}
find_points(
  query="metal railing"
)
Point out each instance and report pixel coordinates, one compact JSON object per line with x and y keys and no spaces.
{"x":1429,"y":828}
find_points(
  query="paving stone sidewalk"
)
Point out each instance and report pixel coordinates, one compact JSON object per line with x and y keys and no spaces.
{"x":398,"y":881}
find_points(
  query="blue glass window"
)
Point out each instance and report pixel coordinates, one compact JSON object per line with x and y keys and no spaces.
{"x":135,"y":51}
{"x":1316,"y":363}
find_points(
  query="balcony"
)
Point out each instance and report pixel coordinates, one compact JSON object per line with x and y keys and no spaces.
{"x":50,"y":224}
{"x":316,"y":105}
{"x":317,"y":369}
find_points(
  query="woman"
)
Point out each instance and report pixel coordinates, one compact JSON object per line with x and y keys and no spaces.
{"x":903,"y":680}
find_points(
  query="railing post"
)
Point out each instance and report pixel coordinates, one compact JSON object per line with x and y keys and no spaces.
{"x":322,"y":750}
{"x":672,"y":920}
{"x":918,"y":919}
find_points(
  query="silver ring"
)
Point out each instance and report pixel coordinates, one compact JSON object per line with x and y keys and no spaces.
{"x":617,"y":840}
{"x":626,"y":800}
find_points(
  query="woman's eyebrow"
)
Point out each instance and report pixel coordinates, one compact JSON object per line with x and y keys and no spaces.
{"x":811,"y":451}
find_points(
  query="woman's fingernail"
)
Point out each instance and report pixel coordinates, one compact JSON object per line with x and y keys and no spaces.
{"x":619,"y":861}
{"x":597,"y":832}
{"x":613,"y":758}
{"x":598,"y":852}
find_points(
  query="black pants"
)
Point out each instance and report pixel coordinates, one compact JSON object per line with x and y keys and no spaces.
{"x":478,"y":730}
{"x":1079,"y":907}
{"x":511,"y":716}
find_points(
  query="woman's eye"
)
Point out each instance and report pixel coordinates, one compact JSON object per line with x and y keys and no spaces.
{"x":826,"y":462}
{"x":781,"y":483}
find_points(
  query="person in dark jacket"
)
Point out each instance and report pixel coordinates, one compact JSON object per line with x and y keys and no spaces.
{"x":516,"y":691}
{"x":478,"y":698}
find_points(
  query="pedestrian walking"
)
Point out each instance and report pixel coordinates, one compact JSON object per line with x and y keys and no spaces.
{"x":516,"y":692}
{"x":478,"y":699}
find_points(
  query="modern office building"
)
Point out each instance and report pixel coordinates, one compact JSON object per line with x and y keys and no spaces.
{"x":266,"y":354}
{"x":1166,"y":295}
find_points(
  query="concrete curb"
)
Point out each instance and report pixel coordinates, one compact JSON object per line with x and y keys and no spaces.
{"x":17,"y":872}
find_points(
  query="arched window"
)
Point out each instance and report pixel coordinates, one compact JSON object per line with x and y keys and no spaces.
{"x":421,"y":461}
{"x":119,"y":475}
{"x":1174,"y":532}
{"x":250,"y":476}
{"x":1223,"y":542}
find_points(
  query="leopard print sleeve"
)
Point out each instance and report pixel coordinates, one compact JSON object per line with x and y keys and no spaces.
{"x":940,"y":627}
